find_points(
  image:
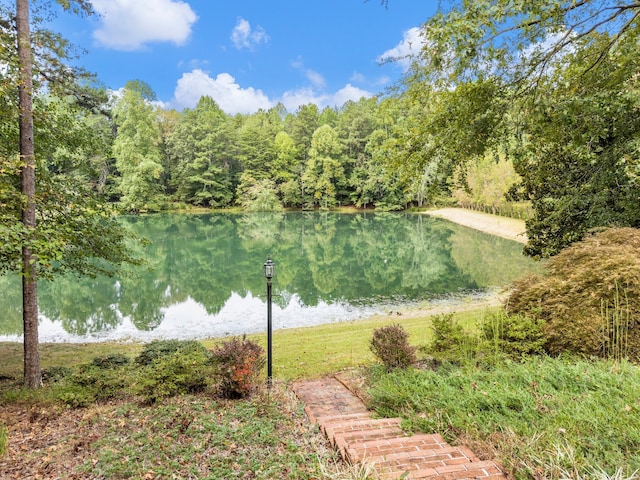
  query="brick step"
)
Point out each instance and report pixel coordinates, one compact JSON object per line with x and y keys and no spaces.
{"x":344,"y":441}
{"x":352,"y":426}
{"x":368,"y":448}
{"x":327,"y":397}
{"x":464,"y":470}
{"x":325,"y":420}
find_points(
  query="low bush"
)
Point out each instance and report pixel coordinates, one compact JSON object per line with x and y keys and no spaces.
{"x":238,"y":363}
{"x":112,"y":360}
{"x":75,"y":396}
{"x":514,"y":335}
{"x":588,"y":296}
{"x":98,"y":383}
{"x":55,"y":374}
{"x":390,"y":345}
{"x":178,"y":373}
{"x":451,"y":342}
{"x":160,"y":348}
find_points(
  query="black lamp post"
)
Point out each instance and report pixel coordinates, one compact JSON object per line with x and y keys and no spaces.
{"x":269,"y":270}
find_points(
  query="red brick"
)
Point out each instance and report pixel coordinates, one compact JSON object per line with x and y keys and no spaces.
{"x":344,"y":418}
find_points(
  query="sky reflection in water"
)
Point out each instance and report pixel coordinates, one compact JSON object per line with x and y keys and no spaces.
{"x":205,"y":275}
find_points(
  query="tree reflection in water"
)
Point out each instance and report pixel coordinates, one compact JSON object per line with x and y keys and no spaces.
{"x":202,"y":264}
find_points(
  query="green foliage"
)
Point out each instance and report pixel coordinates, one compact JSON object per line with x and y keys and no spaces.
{"x":75,"y":230}
{"x":549,"y":85}
{"x":158,"y":349}
{"x":390,"y":345}
{"x":137,"y":152}
{"x":182,"y":371}
{"x":514,"y":335}
{"x":588,"y":296}
{"x":451,"y":342}
{"x":4,"y":439}
{"x":543,"y":415}
{"x":74,"y":396}
{"x":579,"y":161}
{"x":56,"y":374}
{"x":112,"y":360}
{"x":93,"y":382}
{"x":258,"y":195}
{"x":200,"y":156}
{"x":238,"y":363}
{"x":324,"y":175}
{"x":484,"y":184}
{"x":518,"y":41}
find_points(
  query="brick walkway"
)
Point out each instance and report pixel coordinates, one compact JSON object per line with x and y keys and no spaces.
{"x":359,"y":438}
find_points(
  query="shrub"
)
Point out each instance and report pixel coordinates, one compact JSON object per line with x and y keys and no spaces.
{"x":390,"y":345}
{"x":178,"y":373}
{"x":514,"y":335}
{"x":584,"y":291}
{"x":55,"y":374}
{"x":160,"y":348}
{"x":75,"y":396}
{"x":98,"y":383}
{"x":112,"y":360}
{"x":238,"y":363}
{"x":450,"y":341}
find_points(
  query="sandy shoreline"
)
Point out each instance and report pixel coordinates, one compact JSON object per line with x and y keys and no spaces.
{"x":504,"y":227}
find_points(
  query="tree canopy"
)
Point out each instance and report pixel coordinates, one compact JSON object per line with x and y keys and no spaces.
{"x":549,"y":85}
{"x":519,"y":41}
{"x":51,"y":219}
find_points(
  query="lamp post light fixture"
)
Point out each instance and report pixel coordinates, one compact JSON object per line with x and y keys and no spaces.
{"x":269,"y":270}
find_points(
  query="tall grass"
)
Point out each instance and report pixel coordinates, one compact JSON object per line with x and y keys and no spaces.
{"x":616,"y":324}
{"x":543,"y":418}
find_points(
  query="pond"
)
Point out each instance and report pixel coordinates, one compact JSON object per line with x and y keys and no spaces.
{"x":204,"y":276}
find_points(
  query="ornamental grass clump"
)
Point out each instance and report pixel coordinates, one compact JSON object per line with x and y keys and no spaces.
{"x":390,"y":345}
{"x":238,"y":363}
{"x":588,"y":296}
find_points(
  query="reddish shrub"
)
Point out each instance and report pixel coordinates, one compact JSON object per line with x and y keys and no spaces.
{"x":391,"y":345}
{"x":238,"y":364}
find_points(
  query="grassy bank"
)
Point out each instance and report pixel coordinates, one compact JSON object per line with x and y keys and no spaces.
{"x":541,"y":418}
{"x":297,"y":352}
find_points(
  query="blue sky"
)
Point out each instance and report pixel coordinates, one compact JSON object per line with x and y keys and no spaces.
{"x":249,"y":54}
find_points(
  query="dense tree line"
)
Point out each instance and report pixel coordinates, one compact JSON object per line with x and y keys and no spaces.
{"x":268,"y":160}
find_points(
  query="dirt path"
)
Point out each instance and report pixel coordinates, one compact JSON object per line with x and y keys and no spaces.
{"x":510,"y":228}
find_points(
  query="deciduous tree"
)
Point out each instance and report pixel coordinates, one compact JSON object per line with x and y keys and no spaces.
{"x":49,"y":222}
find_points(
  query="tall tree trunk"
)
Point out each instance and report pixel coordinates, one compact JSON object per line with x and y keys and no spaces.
{"x":32,"y":373}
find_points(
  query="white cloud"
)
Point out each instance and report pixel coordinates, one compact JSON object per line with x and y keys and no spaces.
{"x":357,"y":77}
{"x":130,"y":24}
{"x":243,"y":36}
{"x":406,"y":51}
{"x":348,"y":92}
{"x":232,"y":98}
{"x":316,"y":79}
{"x":296,"y":98}
{"x":223,"y":89}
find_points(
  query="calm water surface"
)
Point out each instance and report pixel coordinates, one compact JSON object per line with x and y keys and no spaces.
{"x":204,"y":277}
